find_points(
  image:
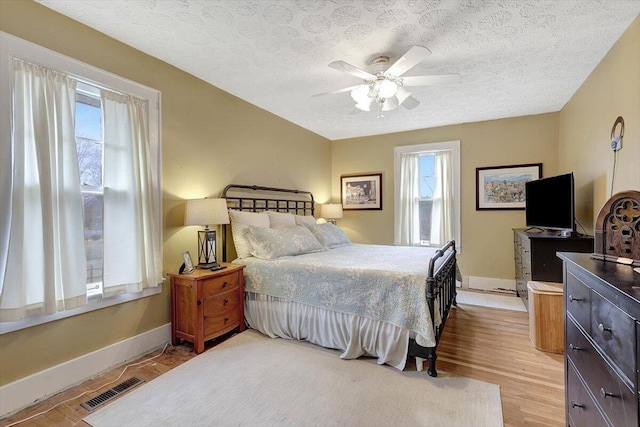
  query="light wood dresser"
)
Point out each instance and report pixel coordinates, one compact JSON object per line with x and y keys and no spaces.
{"x":206,"y":304}
{"x":602,"y":330}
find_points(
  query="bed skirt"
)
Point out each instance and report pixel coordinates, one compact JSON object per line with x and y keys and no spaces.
{"x":354,"y":335}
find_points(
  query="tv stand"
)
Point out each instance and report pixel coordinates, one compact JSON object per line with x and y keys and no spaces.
{"x":535,"y":256}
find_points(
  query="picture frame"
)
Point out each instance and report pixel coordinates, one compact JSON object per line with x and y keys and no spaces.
{"x":187,"y":266}
{"x":361,"y":191}
{"x":503,"y":187}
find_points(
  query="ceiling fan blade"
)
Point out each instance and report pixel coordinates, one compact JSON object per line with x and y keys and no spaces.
{"x":346,"y":89}
{"x":438,"y":79}
{"x":390,"y":104}
{"x":407,"y":61}
{"x":406,"y":100}
{"x":348,"y":68}
{"x":410,"y":103}
{"x":402,"y":94}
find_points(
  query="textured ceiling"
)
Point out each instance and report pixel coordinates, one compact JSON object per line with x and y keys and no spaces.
{"x":514,"y":57}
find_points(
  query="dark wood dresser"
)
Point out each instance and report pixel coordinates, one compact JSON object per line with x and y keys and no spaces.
{"x":535,"y":256}
{"x":602,"y":329}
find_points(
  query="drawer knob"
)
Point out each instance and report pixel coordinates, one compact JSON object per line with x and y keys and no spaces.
{"x":602,"y":328}
{"x":226,"y":319}
{"x":199,"y":302}
{"x":572,"y":298}
{"x":576,"y":405}
{"x":224,"y":285}
{"x":574,"y":347}
{"x":226,"y":301}
{"x":606,"y":394}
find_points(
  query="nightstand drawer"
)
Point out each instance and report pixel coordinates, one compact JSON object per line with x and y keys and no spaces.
{"x":578,"y":298}
{"x":223,"y":321}
{"x":222,"y":303}
{"x":615,"y":332}
{"x":220,"y":284}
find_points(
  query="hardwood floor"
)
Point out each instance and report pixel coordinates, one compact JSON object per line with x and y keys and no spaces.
{"x":483,"y":343}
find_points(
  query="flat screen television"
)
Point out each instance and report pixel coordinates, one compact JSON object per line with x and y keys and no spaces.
{"x":549,"y":203}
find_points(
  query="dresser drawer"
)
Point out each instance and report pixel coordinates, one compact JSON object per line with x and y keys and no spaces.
{"x":220,"y":284}
{"x":583,"y":411}
{"x":221,"y":303}
{"x":578,"y":297}
{"x":619,"y":403}
{"x":223,"y":321}
{"x":615,"y":332}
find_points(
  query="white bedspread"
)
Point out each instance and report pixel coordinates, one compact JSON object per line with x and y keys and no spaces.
{"x":383,"y":283}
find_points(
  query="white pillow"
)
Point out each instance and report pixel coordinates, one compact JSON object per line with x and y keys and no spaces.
{"x":281,"y":219}
{"x":271,"y":243}
{"x":304,"y":219}
{"x":240,"y":221}
{"x":329,"y":235}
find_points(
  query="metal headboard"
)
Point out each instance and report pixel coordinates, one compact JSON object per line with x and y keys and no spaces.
{"x":254,"y":198}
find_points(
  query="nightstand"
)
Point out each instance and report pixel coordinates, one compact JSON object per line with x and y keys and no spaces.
{"x":206,"y":304}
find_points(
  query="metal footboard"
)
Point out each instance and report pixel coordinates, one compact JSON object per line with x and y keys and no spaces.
{"x":441,"y":293}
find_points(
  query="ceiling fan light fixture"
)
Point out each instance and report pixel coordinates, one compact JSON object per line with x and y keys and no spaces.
{"x":361,"y":94}
{"x":386,"y":88}
{"x":364,"y":106}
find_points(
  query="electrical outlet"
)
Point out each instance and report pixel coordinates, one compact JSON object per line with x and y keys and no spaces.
{"x":616,"y":143}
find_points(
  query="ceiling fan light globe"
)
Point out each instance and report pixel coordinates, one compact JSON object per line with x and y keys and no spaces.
{"x":361,"y":94}
{"x":386,"y":88}
{"x":390,"y":104}
{"x":364,"y":106}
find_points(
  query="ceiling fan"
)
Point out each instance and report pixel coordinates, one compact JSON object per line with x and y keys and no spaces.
{"x":383,"y":85}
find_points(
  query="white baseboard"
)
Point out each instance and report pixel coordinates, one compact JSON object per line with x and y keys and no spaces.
{"x":26,"y":391}
{"x":491,"y":284}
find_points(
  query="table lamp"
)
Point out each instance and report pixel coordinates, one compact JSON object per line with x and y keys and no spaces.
{"x":206,"y":212}
{"x":331,"y":212}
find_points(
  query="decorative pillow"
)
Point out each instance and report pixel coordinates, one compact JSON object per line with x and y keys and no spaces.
{"x":271,"y":243}
{"x":305,"y":219}
{"x":281,"y":219}
{"x":329,"y":235}
{"x":240,"y":221}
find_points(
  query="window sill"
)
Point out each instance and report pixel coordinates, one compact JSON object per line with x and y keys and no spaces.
{"x":93,"y":303}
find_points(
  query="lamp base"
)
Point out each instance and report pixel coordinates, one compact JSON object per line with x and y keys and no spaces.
{"x":209,"y":265}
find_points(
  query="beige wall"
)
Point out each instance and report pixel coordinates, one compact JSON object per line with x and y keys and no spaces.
{"x":612,"y":90}
{"x":486,"y":236}
{"x":210,"y":139}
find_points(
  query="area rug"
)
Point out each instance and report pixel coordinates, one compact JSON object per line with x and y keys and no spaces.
{"x":253,"y":380}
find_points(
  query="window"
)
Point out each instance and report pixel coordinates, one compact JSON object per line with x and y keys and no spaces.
{"x":89,"y":146}
{"x":427,"y":194}
{"x":80,"y":193}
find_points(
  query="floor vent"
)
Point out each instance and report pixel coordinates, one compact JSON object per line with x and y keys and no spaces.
{"x":103,"y":398}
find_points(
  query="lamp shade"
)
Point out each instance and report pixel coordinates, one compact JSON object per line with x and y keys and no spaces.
{"x":332,"y":211}
{"x":206,"y":212}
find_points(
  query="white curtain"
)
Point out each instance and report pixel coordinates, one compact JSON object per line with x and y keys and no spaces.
{"x":408,"y":232}
{"x":45,"y":259}
{"x":132,"y":257}
{"x":442,"y":228}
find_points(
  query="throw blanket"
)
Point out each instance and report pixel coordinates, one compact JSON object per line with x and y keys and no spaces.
{"x":385,"y":283}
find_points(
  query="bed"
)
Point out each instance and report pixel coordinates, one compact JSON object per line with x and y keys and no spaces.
{"x":388,"y":302}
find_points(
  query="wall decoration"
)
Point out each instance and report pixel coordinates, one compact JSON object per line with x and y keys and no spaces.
{"x":503,"y":187}
{"x":361,"y":192}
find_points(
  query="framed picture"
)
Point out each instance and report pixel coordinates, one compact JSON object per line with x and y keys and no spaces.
{"x":502,"y":187}
{"x":188,"y":264}
{"x":360,"y":192}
